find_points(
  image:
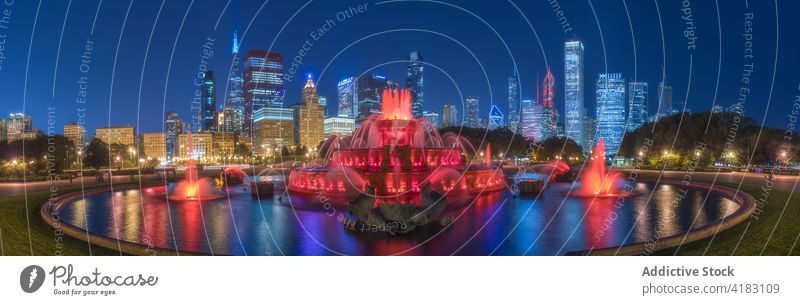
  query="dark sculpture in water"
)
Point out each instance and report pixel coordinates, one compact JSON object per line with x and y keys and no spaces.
{"x":397,"y":217}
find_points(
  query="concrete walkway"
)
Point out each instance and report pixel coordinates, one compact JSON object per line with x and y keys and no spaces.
{"x":783,"y":182}
{"x":11,"y":189}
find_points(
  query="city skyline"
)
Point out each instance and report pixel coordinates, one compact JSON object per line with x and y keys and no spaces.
{"x":128,"y":101}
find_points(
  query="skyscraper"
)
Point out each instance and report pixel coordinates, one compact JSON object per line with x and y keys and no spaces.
{"x":664,"y":100}
{"x":528,"y":123}
{"x":611,"y":110}
{"x":347,"y":97}
{"x":449,"y":115}
{"x":368,"y":93}
{"x":637,"y":105}
{"x":263,"y":83}
{"x":227,"y":119}
{"x":433,"y":117}
{"x":208,"y":98}
{"x":311,"y":123}
{"x":513,"y":103}
{"x":589,"y":131}
{"x":472,"y":114}
{"x":414,"y":81}
{"x":173,"y":126}
{"x":235,"y":89}
{"x":549,"y":117}
{"x":495,"y":117}
{"x":573,"y":90}
{"x":323,"y":102}
{"x":274,"y":128}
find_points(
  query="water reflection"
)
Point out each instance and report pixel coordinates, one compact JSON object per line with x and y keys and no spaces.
{"x":241,"y":225}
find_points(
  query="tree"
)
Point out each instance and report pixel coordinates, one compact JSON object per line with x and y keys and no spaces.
{"x":242,"y":150}
{"x":558,"y":147}
{"x":96,"y":154}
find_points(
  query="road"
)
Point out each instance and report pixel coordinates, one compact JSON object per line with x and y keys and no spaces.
{"x":10,"y":189}
{"x":783,"y":182}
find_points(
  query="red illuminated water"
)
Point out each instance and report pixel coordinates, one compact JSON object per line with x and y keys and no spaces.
{"x":396,"y":154}
{"x":193,"y":187}
{"x":595,"y":181}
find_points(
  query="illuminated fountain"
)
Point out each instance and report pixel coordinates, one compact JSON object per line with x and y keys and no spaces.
{"x":193,"y":187}
{"x":595,"y":181}
{"x":396,"y":155}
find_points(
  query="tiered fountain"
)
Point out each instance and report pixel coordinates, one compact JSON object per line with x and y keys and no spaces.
{"x":395,"y":155}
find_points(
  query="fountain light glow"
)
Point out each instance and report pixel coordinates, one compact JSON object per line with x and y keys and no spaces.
{"x":595,"y":181}
{"x":396,"y":154}
{"x":193,"y":187}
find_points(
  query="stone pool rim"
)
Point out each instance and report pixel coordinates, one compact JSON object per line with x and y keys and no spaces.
{"x":123,"y":246}
{"x":745,"y":201}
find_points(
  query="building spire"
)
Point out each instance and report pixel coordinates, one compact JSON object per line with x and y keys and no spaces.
{"x":235,"y":46}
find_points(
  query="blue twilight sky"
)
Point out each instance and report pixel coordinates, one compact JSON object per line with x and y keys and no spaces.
{"x":471,"y":46}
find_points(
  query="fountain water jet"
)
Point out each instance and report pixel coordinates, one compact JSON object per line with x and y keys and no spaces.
{"x":595,"y":181}
{"x":192,"y":187}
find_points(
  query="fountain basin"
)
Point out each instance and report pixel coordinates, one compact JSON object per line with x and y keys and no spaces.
{"x":242,"y":225}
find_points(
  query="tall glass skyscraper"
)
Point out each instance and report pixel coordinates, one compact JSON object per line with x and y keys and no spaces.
{"x":528,"y":122}
{"x":369,"y":89}
{"x":208,"y":106}
{"x":263,"y":83}
{"x":449,"y":115}
{"x":433,"y":117}
{"x":573,"y":92}
{"x":664,"y":100}
{"x":513,"y":103}
{"x":347,"y":98}
{"x":611,"y":110}
{"x":235,"y":89}
{"x":414,"y":82}
{"x":173,"y":126}
{"x":472,"y":113}
{"x":637,"y":105}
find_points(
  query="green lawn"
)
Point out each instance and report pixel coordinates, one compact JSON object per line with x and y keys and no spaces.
{"x":15,"y":234}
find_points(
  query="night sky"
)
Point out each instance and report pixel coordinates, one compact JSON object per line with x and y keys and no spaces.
{"x":471,"y":46}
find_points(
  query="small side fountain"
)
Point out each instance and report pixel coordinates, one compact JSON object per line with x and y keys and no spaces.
{"x":193,"y":187}
{"x":595,"y":181}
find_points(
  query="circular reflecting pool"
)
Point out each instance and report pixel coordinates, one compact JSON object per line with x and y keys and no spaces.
{"x":494,"y":223}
